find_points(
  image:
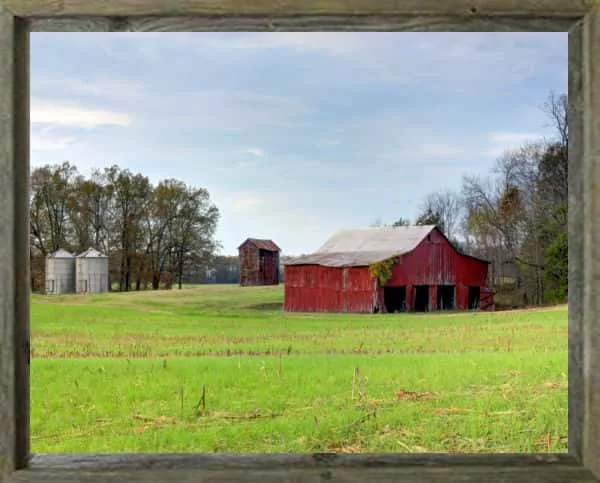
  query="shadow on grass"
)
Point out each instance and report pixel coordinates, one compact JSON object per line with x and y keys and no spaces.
{"x":271,"y":306}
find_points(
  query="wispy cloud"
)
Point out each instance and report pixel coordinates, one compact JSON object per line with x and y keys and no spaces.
{"x":438,"y":150}
{"x":258,"y":152}
{"x":49,"y":112}
{"x":339,"y":43}
{"x":500,"y":142}
{"x":45,"y":139}
{"x":226,"y":110}
{"x":512,"y":138}
{"x":106,"y":88}
{"x":245,"y":203}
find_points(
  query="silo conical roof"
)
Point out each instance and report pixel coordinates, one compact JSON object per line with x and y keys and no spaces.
{"x":61,"y":253}
{"x":91,"y":253}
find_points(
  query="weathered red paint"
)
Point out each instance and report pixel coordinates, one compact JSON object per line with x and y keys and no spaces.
{"x":259,"y":263}
{"x":314,"y":288}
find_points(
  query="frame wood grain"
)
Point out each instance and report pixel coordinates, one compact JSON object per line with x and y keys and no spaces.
{"x":580,"y":17}
{"x":523,"y":8}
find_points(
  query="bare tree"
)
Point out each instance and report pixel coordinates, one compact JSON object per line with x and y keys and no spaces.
{"x":444,"y":207}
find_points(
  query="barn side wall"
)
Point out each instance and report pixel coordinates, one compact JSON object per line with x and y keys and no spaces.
{"x":312,"y":288}
{"x":249,"y":265}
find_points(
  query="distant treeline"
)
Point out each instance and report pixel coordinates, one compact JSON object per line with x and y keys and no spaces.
{"x":153,"y":234}
{"x":222,"y":269}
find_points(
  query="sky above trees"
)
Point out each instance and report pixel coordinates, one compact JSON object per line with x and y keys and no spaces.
{"x":294,"y":135}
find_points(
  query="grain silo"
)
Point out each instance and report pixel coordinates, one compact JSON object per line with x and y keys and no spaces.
{"x":92,"y":272}
{"x":60,"y":272}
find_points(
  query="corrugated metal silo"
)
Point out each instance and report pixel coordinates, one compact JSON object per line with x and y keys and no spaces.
{"x":60,"y":272}
{"x":92,"y":272}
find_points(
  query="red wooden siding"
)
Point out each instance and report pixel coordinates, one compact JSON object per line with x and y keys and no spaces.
{"x":314,"y":288}
{"x":258,"y":266}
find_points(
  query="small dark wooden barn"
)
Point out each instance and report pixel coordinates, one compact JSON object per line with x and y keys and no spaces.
{"x":259,"y":262}
{"x":427,"y":273}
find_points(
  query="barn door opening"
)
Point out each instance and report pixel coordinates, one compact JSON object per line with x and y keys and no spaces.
{"x":394,"y":299}
{"x":421,"y":303}
{"x":262,"y":266}
{"x":474,"y":297}
{"x":445,"y":297}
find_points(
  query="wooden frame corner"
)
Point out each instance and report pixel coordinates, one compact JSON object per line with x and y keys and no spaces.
{"x":581,"y":18}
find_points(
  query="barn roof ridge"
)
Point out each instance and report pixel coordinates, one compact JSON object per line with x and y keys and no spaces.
{"x":262,"y":243}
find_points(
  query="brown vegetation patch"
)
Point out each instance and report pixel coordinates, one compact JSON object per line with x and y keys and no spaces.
{"x":401,"y":394}
{"x":550,"y":385}
{"x":337,"y":447}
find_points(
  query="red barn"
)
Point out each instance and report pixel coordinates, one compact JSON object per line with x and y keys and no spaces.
{"x":259,"y":262}
{"x":429,"y":274}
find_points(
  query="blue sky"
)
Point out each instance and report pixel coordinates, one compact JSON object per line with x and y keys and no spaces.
{"x":295,"y":135}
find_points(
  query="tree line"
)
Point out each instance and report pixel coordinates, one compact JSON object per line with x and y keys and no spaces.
{"x":515,"y":217}
{"x":153,"y":234}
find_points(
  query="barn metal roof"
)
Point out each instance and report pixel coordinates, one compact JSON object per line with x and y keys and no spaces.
{"x":91,"y":253}
{"x":262,"y":244}
{"x":361,"y":247}
{"x":395,"y":240}
{"x":61,"y":253}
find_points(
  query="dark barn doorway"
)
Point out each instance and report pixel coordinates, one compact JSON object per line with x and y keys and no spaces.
{"x":474,"y":297}
{"x":421,"y":303}
{"x":445,"y":297}
{"x":394,"y":299}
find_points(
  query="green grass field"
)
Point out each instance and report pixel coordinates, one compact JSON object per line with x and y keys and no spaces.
{"x":223,"y":369}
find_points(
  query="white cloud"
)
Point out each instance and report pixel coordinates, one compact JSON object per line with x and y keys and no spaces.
{"x":339,"y":43}
{"x":48,"y":112}
{"x":227,"y":110}
{"x":259,"y":153}
{"x":45,"y":140}
{"x":513,"y":138}
{"x":110,"y":88}
{"x":503,"y":141}
{"x":245,"y":203}
{"x":438,"y":150}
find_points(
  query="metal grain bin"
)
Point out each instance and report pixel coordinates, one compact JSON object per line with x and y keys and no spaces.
{"x":92,"y":272}
{"x":60,"y":272}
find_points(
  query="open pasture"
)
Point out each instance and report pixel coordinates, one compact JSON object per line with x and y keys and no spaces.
{"x":223,"y":369}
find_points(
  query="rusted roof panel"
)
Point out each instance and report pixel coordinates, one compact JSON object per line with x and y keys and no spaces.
{"x":342,"y":259}
{"x":262,"y":244}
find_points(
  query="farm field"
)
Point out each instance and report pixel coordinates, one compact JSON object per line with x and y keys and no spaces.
{"x":223,"y":369}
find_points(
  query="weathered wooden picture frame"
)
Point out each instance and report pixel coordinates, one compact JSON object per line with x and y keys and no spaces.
{"x":581,"y":18}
